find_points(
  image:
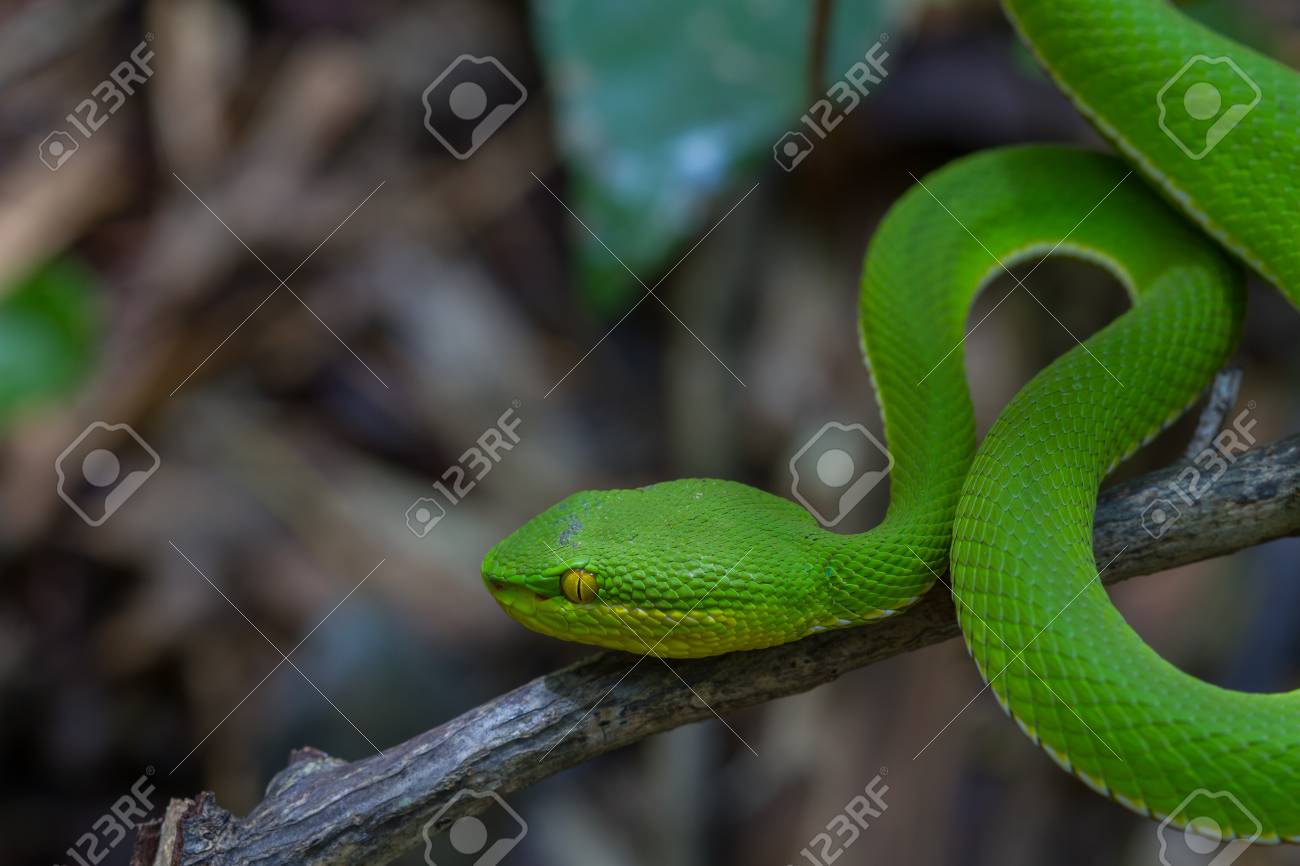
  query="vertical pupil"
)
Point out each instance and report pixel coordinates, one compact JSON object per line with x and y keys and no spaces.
{"x":579,"y":586}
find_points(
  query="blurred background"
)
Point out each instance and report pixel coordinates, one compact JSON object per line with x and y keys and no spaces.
{"x":310,"y":254}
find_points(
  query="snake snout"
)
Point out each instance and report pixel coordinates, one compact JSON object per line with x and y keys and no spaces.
{"x":516,"y":590}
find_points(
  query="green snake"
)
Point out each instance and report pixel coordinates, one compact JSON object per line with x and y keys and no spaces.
{"x":698,"y":567}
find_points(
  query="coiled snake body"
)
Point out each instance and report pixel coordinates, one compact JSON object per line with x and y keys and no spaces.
{"x":698,"y":567}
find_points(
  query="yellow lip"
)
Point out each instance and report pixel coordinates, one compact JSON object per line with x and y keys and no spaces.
{"x":515,"y":598}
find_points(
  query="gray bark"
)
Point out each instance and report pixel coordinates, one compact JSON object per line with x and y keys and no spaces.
{"x":323,"y":810}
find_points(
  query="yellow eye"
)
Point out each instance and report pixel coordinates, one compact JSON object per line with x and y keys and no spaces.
{"x":578,"y":586}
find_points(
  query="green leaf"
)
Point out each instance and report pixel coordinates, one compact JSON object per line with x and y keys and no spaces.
{"x":662,"y":107}
{"x":49,"y":326}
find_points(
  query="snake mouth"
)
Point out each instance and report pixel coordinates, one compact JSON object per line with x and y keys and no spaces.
{"x":512,"y":588}
{"x":514,"y":596}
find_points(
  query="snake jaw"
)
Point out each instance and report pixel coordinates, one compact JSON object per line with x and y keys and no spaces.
{"x":516,"y":599}
{"x":542,"y":586}
{"x":522,"y":594}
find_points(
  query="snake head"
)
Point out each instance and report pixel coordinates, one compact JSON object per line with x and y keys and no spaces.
{"x":686,"y":568}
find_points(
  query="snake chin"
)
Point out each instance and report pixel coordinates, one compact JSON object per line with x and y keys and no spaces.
{"x":511,"y":595}
{"x":516,"y":599}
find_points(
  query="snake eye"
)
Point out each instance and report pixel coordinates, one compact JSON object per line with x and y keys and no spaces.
{"x":578,"y":586}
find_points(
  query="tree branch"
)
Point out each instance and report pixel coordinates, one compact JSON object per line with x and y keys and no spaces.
{"x":323,"y":810}
{"x":818,"y":45}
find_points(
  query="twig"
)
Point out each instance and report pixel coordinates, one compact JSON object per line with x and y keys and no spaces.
{"x":323,"y":810}
{"x":818,"y":39}
{"x":1223,"y":396}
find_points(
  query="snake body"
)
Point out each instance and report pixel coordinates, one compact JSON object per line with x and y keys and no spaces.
{"x":698,"y":567}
